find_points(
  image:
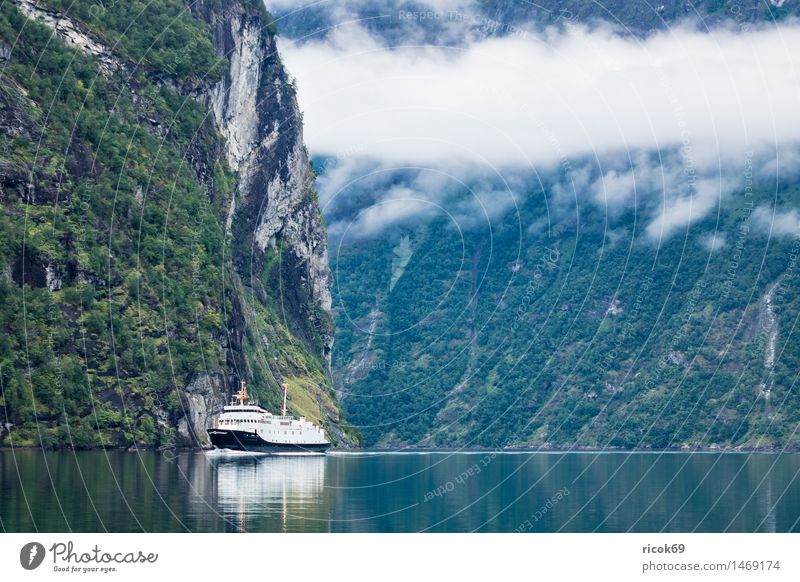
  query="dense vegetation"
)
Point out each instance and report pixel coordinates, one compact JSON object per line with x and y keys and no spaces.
{"x":584,"y":334}
{"x":397,"y":21}
{"x":117,"y":289}
{"x":120,"y":218}
{"x":160,"y":35}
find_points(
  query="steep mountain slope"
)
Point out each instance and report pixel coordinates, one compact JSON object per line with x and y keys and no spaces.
{"x":564,"y":323}
{"x":160,"y":232}
{"x":531,"y":309}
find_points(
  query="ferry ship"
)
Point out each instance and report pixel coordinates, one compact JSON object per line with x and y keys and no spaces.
{"x":245,"y":426}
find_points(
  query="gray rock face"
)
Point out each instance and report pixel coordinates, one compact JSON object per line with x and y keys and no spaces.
{"x":71,"y":33}
{"x":203,"y":404}
{"x":257,"y":112}
{"x":53,"y":277}
{"x":234,"y":99}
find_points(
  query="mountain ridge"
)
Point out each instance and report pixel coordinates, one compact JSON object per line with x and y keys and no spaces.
{"x":215,"y":259}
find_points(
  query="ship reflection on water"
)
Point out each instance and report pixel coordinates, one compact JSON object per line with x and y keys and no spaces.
{"x":152,"y":491}
{"x":270,"y":493}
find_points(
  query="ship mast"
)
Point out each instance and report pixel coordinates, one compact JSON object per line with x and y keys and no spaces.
{"x":283,"y":410}
{"x":242,"y":395}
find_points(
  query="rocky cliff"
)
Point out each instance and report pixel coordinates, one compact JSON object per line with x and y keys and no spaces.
{"x":256,"y":110}
{"x":279,"y":244}
{"x":174,"y":127}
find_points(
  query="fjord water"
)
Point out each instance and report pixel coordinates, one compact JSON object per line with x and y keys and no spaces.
{"x":120,"y":491}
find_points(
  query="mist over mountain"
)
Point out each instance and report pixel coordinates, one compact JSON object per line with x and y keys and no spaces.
{"x":570,"y":225}
{"x":456,"y":22}
{"x":450,"y":223}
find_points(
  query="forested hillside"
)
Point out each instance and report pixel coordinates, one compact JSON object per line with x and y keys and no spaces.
{"x":134,"y":295}
{"x":519,"y":258}
{"x":566,"y":324}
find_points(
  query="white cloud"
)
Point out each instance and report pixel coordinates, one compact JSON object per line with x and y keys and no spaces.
{"x":661,"y":124}
{"x":713,"y":241}
{"x":361,"y":199}
{"x":680,"y":211}
{"x":400,"y":204}
{"x":671,"y":189}
{"x":535,"y":100}
{"x":640,"y":177}
{"x":615,"y":187}
{"x":774,"y":222}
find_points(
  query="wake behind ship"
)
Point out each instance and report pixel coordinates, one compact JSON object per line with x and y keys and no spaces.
{"x":245,"y":426}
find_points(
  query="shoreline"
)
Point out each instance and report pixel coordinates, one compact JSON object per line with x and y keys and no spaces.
{"x":444,"y":450}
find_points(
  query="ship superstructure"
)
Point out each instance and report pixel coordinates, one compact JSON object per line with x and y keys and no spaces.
{"x":246,"y":426}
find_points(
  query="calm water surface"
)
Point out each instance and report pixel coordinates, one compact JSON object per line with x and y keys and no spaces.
{"x":398,"y":492}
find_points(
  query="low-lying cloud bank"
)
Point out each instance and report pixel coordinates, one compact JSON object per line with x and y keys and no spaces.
{"x":363,"y":197}
{"x":669,"y":125}
{"x":535,"y":100}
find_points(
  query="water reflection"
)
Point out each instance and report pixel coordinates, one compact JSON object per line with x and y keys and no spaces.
{"x":125,"y":491}
{"x":270,"y":493}
{"x":768,"y":505}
